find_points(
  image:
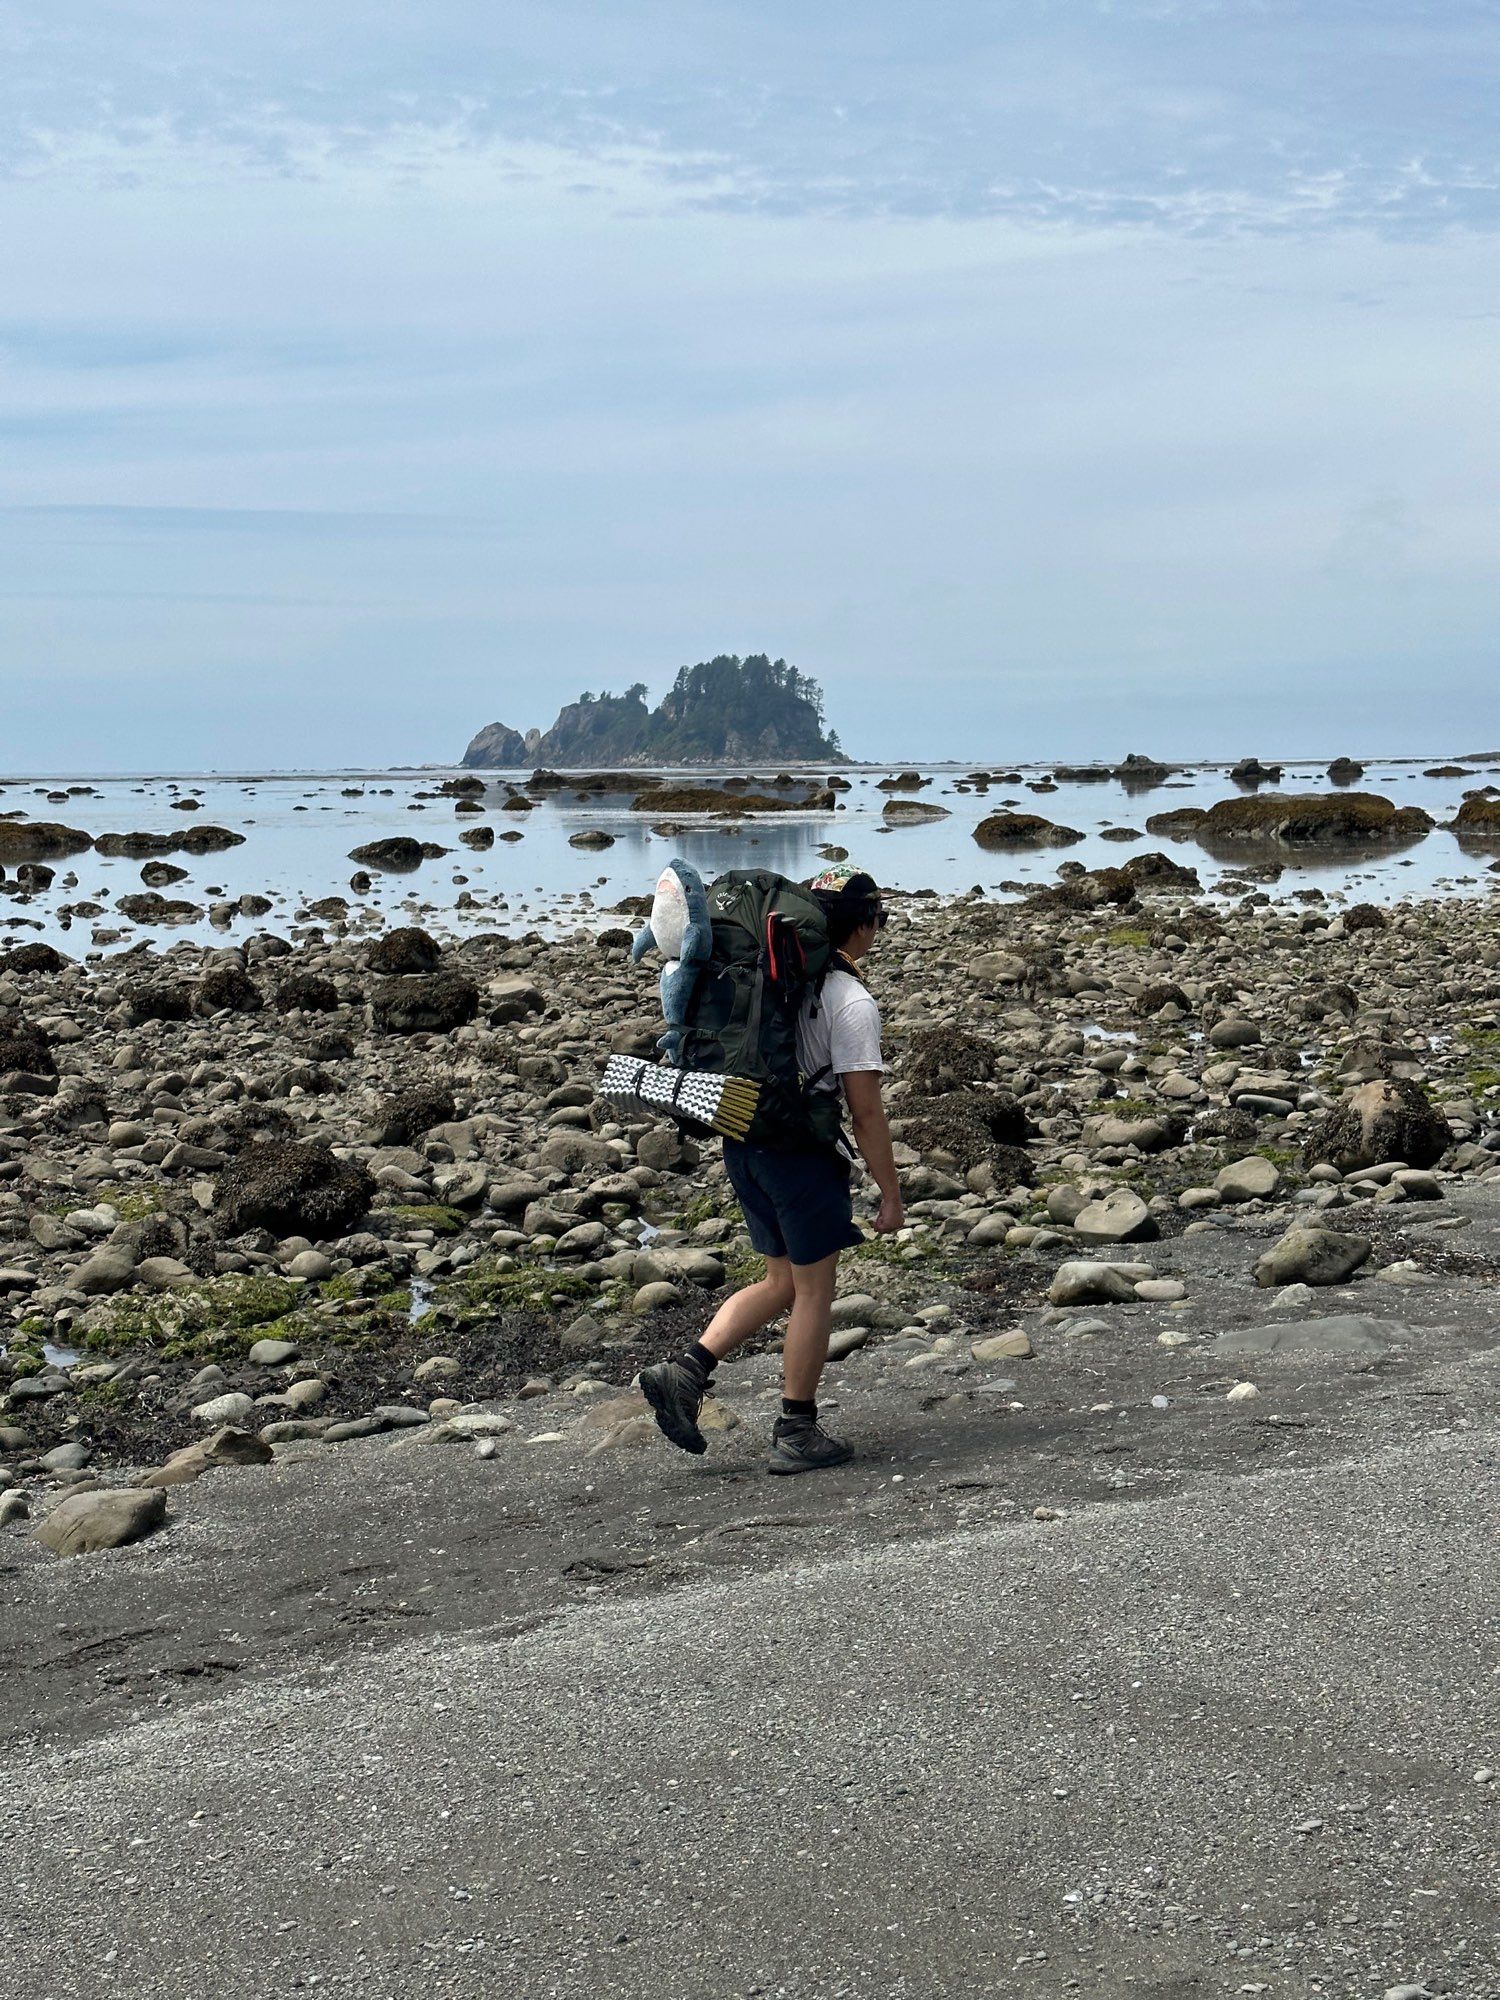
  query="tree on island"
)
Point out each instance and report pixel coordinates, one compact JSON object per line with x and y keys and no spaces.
{"x":724,"y":710}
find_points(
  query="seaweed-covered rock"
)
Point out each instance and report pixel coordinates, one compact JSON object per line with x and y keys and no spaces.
{"x":40,"y":840}
{"x":162,"y":874}
{"x":1365,"y":917}
{"x":209,"y":840}
{"x":135,"y":846}
{"x":330,"y":1045}
{"x":253,"y":1119}
{"x":228,"y":988}
{"x":1479,"y":816}
{"x":24,"y":1046}
{"x":1178,"y":823}
{"x":1154,"y":866}
{"x":158,"y":1000}
{"x":398,"y":852}
{"x":1308,"y":818}
{"x":409,"y":949}
{"x":292,"y":1189}
{"x":1345,"y":771}
{"x":1091,"y":889}
{"x":416,"y":1003}
{"x":1237,"y":1126}
{"x":410,"y":1113}
{"x":713,"y":799}
{"x":1012,"y":829}
{"x":939,"y":1060}
{"x":1388,"y":1118}
{"x":913,"y":812}
{"x":306,"y":993}
{"x":1141,"y":771}
{"x":145,"y":906}
{"x":1326,"y":1001}
{"x":28,"y":958}
{"x":1161,"y":993}
{"x":971,"y":1125}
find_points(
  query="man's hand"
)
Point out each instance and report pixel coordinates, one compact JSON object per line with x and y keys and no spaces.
{"x":890,"y":1216}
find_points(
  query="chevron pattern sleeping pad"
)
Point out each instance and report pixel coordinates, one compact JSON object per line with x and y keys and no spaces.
{"x":724,"y":1104}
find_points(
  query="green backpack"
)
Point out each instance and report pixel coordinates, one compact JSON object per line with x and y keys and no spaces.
{"x":770,"y":948}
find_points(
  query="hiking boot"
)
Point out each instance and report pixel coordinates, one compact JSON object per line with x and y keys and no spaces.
{"x":675,"y":1392}
{"x":800,"y":1444}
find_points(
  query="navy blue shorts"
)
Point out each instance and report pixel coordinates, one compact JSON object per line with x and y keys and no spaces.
{"x":796,"y":1205}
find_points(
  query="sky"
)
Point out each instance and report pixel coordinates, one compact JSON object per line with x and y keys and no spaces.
{"x":1048,"y":378}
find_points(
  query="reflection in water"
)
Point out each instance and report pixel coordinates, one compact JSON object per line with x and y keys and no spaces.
{"x":1346,"y":857}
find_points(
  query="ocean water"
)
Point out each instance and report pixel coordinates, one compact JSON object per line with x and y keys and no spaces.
{"x":299,"y":830}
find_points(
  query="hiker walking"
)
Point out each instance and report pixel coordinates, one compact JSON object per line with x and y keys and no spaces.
{"x":796,"y":1198}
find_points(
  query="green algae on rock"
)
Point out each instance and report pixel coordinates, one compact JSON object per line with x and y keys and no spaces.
{"x":1299,"y":818}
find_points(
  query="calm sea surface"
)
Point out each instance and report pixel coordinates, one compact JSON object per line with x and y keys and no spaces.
{"x":299,"y":831}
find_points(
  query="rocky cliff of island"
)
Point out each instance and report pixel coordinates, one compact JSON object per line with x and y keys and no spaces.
{"x":722,"y":711}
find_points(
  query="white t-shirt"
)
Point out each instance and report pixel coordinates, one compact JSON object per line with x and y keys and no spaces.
{"x":843,"y":1033}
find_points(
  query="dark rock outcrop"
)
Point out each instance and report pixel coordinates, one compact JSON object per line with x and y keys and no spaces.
{"x":1012,"y":829}
{"x":912,"y":812}
{"x":145,"y":906}
{"x":1479,"y":816}
{"x":1313,"y":818}
{"x":496,"y":748}
{"x":716,"y":799}
{"x":40,"y":840}
{"x":397,"y":852}
{"x":208,"y":840}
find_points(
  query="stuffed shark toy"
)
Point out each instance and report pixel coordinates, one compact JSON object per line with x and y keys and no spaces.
{"x":681,"y":931}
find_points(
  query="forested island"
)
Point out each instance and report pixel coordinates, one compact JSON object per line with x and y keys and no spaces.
{"x":726,"y":710}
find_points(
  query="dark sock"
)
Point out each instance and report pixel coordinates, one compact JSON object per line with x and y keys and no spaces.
{"x":699,"y":1357}
{"x":793,"y":1406}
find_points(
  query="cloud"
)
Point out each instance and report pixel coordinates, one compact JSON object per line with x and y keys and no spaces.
{"x":1182,"y":116}
{"x":1057,"y":373}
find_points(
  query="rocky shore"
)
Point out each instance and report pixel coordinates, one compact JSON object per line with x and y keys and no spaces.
{"x":282,"y":1194}
{"x":325,"y":1280}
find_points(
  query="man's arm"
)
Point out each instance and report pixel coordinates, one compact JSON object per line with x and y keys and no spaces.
{"x":872,"y":1135}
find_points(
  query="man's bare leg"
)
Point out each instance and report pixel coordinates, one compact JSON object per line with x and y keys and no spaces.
{"x":809,"y":1328}
{"x":749,"y":1309}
